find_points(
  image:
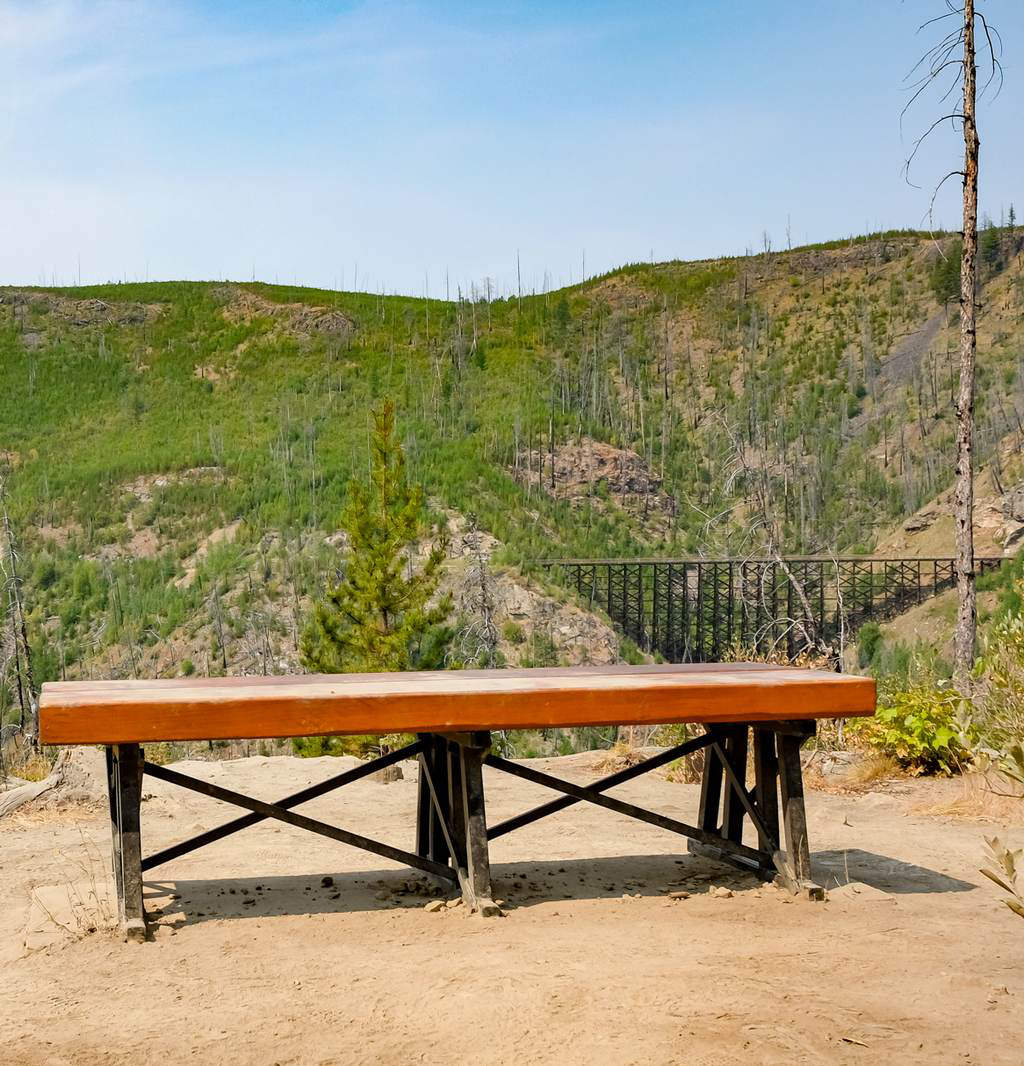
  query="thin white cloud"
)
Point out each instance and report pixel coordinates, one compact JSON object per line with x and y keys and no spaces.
{"x":54,"y":47}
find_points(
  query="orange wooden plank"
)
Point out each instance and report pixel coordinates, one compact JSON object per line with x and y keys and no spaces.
{"x":108,"y":712}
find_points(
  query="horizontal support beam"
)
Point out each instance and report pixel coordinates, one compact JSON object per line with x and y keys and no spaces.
{"x":294,"y":800}
{"x":602,"y":785}
{"x":300,"y":821}
{"x":630,"y":811}
{"x":796,"y":728}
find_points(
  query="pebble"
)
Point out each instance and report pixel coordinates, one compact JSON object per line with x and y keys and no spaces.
{"x":326,"y":881}
{"x":679,"y":895}
{"x":720,"y":892}
{"x":434,"y":905}
{"x":453,"y":903}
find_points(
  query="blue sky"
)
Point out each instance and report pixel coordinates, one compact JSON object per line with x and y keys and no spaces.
{"x":390,"y":145}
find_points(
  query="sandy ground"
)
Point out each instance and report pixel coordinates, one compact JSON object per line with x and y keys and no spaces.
{"x":255,"y":960}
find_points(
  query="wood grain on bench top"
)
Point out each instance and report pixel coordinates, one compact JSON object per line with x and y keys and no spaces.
{"x":222,"y":708}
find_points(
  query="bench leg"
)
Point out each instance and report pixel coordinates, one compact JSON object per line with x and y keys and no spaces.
{"x":735,"y":747}
{"x":430,"y":842}
{"x":124,"y":789}
{"x":710,"y":802}
{"x":766,"y":786}
{"x":469,"y":820}
{"x":794,"y":817}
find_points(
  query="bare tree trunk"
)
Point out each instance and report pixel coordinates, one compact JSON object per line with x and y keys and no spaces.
{"x":22,"y":649}
{"x":966,"y":618}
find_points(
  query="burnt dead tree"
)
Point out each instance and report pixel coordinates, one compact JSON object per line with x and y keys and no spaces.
{"x":951,"y":65}
{"x":21,"y":649}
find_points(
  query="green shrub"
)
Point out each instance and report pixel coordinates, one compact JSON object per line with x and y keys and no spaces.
{"x":514,"y":633}
{"x":45,"y":573}
{"x":361,"y":746}
{"x":868,"y":641}
{"x":542,"y":650}
{"x":920,"y":728}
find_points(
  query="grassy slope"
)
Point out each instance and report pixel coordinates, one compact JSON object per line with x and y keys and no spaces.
{"x":807,"y":358}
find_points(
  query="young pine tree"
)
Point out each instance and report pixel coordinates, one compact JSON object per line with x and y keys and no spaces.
{"x":378,"y":616}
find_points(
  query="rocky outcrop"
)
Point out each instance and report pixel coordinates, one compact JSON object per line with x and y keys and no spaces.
{"x":593,"y":468}
{"x":292,"y":318}
{"x":77,"y":313}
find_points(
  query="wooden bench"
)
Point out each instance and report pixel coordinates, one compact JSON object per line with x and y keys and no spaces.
{"x":452,"y":715}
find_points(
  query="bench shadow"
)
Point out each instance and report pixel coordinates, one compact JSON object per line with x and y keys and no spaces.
{"x":839,"y":867}
{"x":518,"y":884}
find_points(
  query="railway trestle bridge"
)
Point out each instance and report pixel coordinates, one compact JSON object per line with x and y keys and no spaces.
{"x":695,"y":610}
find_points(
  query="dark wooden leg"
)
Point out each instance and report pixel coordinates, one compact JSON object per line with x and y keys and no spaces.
{"x":430,"y":836}
{"x":710,"y":800}
{"x":766,"y":787}
{"x":124,"y":786}
{"x":456,"y":807}
{"x":438,"y":847}
{"x":735,"y":748}
{"x":424,"y":806}
{"x":115,"y":833}
{"x":466,"y":753}
{"x":794,"y":817}
{"x":478,"y":865}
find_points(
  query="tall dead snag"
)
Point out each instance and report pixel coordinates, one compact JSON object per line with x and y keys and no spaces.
{"x":963,"y":506}
{"x":956,"y":52}
{"x":24,"y":679}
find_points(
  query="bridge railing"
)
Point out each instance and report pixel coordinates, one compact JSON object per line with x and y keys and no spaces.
{"x":695,"y":610}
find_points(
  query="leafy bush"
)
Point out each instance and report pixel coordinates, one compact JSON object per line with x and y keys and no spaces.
{"x":920,"y":728}
{"x":315,"y":747}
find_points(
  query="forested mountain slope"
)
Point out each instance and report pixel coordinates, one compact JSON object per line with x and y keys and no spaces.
{"x":177,"y":453}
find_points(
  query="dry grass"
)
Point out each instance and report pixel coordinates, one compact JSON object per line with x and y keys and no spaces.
{"x":986,"y":797}
{"x":89,"y":906}
{"x":620,"y":756}
{"x":870,"y":770}
{"x":32,"y":767}
{"x":874,"y":771}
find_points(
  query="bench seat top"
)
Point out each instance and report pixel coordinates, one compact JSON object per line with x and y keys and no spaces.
{"x":444,"y":701}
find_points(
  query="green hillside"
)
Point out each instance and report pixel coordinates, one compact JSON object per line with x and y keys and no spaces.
{"x":172,"y":444}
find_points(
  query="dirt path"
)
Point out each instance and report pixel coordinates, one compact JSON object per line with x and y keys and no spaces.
{"x":260,"y":962}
